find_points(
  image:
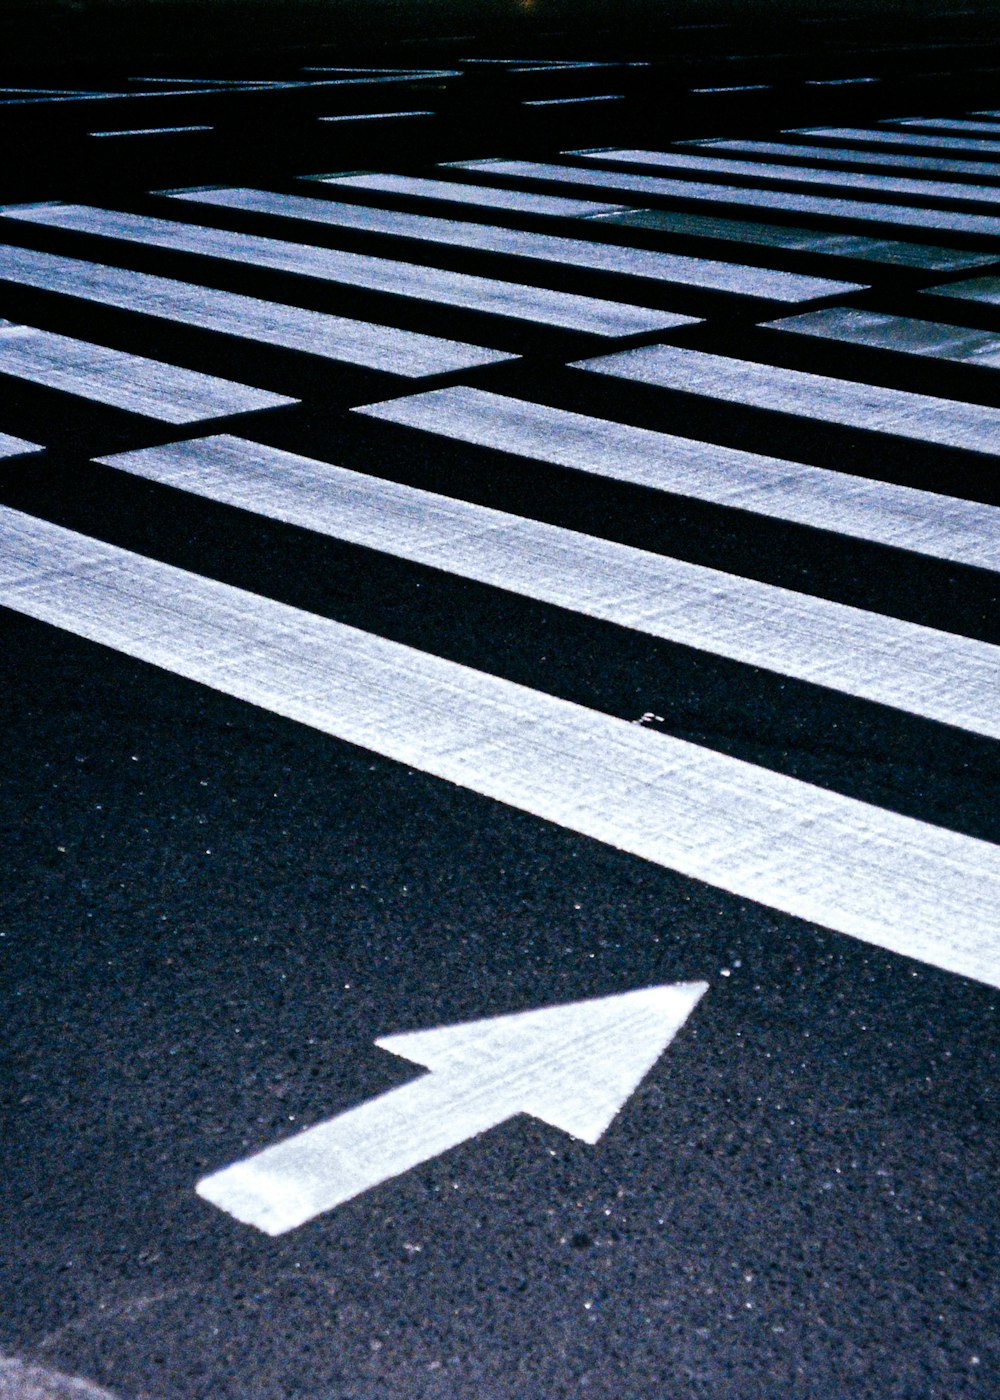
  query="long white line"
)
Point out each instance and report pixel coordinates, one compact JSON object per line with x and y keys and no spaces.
{"x":937,"y":675}
{"x":889,"y":880}
{"x":705,"y":192}
{"x":949,"y":124}
{"x":843,"y":245}
{"x":981,"y":289}
{"x":941,"y":527}
{"x":483,"y":197}
{"x":818,"y":397}
{"x":538,"y":305}
{"x":703,"y":273}
{"x":401,"y":352}
{"x":766,"y":173}
{"x":866,"y":136}
{"x":15,"y":446}
{"x":131,"y":382}
{"x":901,"y":334}
{"x":847,"y":155}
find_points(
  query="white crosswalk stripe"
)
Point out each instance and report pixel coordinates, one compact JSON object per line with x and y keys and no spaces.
{"x":847,"y":155}
{"x":901,"y":334}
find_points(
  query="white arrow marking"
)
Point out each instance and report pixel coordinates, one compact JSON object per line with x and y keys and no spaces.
{"x":572,"y":1066}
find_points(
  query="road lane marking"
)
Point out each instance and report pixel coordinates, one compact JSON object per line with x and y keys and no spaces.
{"x":130,"y":382}
{"x":821,"y":398}
{"x":842,"y":245}
{"x":848,"y":155}
{"x":706,"y":192}
{"x":942,"y":527}
{"x":900,"y":334}
{"x":888,"y":880}
{"x":572,"y":1066}
{"x":664,"y":268}
{"x":868,"y":136}
{"x":405,"y":353}
{"x":414,"y":281}
{"x":480,"y":196}
{"x":765,"y":173}
{"x":948,"y":124}
{"x":938,"y":675}
{"x":985,"y":290}
{"x":15,"y":446}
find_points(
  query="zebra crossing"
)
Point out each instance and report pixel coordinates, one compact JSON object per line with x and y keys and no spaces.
{"x":906,"y":885}
{"x":444,"y":580}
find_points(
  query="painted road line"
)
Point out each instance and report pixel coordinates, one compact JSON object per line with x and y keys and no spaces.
{"x":861,"y":247}
{"x":152,"y":131}
{"x":889,"y":880}
{"x":572,"y":1066}
{"x":868,"y":136}
{"x":571,"y":101}
{"x":705,"y":192}
{"x":405,"y":353}
{"x":901,"y":334}
{"x":991,"y":129}
{"x":938,"y":675}
{"x":985,"y":290}
{"x":537,"y":305}
{"x":941,"y":527}
{"x":130,"y":382}
{"x":818,"y":397}
{"x":373,"y":116}
{"x":846,"y":155}
{"x":887,"y":251}
{"x":703,"y":273}
{"x":764,"y":172}
{"x":16,"y":447}
{"x":480,"y":196}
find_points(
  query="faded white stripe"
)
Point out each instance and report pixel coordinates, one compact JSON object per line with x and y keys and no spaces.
{"x":888,"y":880}
{"x":846,"y":155}
{"x":901,"y":334}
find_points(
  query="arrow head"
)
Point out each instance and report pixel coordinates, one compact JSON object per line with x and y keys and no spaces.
{"x":573,"y":1066}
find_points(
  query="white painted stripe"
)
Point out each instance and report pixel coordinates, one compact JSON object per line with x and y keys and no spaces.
{"x":697,"y":191}
{"x":703,"y":273}
{"x":15,"y":446}
{"x":571,"y":101}
{"x":901,"y":334}
{"x":849,"y":155}
{"x":772,"y":172}
{"x":480,"y":196}
{"x":892,"y":252}
{"x":948,"y":124}
{"x":151,"y":131}
{"x":538,"y":305}
{"x":838,"y":82}
{"x":131,"y":382}
{"x":889,"y":880}
{"x":867,"y":136}
{"x":818,"y":397}
{"x":937,"y":675}
{"x":373,"y":116}
{"x":941,"y":527}
{"x":982,"y":289}
{"x":378,"y":347}
{"x":743,"y":87}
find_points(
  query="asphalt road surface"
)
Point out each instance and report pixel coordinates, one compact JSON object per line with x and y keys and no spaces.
{"x":500,"y":704}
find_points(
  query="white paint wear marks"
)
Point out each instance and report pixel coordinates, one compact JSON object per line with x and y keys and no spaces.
{"x":406,"y":353}
{"x":703,"y":273}
{"x":15,"y":446}
{"x":981,"y":289}
{"x":538,"y":305}
{"x":901,"y":334}
{"x":842,"y":245}
{"x":706,"y":192}
{"x":845,"y":155}
{"x":819,"y":397}
{"x":938,"y":675}
{"x":888,"y":880}
{"x":571,"y":1066}
{"x":130,"y":382}
{"x":942,"y":527}
{"x":480,"y":196}
{"x":765,"y":173}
